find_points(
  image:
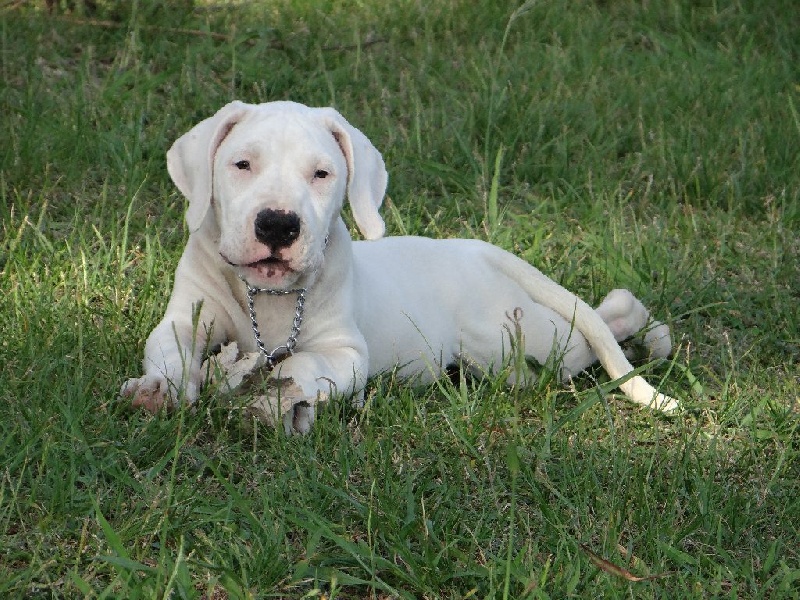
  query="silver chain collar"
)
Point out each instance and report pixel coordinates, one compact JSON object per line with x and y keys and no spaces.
{"x":276,"y":354}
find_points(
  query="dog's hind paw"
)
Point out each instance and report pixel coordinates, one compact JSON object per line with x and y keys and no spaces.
{"x":665,"y":404}
{"x":658,"y":340}
{"x":654,"y":341}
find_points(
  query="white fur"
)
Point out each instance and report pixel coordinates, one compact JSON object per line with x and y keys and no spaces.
{"x":412,"y":303}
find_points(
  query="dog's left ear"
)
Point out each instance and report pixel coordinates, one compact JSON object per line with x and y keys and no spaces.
{"x":367,"y":176}
{"x":190,"y":160}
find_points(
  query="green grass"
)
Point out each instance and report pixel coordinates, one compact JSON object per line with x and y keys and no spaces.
{"x":613,"y":144}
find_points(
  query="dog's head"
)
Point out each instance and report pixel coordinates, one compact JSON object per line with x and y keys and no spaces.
{"x":275,"y":176}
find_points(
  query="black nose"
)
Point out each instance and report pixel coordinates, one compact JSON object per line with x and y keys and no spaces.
{"x":277,"y":228}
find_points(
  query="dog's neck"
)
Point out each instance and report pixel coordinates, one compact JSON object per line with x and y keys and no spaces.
{"x":274,"y":356}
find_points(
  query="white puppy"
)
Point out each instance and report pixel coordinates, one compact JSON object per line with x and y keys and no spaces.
{"x":265,"y":185}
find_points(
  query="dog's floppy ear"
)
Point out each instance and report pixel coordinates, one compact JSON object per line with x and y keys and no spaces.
{"x":190,"y":160}
{"x":367,"y":176}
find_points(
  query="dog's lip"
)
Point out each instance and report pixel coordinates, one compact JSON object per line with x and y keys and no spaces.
{"x":269,"y":261}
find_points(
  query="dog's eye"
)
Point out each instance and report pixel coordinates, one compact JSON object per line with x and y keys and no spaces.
{"x":320,"y":174}
{"x":242,"y":165}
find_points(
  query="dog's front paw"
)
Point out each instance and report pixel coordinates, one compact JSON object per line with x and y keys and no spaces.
{"x":271,"y":400}
{"x":151,"y":392}
{"x":284,"y":401}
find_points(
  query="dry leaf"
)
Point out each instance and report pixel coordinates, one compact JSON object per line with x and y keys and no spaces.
{"x":609,"y":567}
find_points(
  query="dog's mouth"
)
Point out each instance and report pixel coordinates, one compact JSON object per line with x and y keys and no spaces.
{"x":270,"y":268}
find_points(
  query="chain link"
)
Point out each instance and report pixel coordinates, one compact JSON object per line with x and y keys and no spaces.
{"x":273,"y":357}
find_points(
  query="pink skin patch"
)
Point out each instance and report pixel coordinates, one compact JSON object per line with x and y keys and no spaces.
{"x":270,"y":267}
{"x":149,"y":398}
{"x":150,"y":401}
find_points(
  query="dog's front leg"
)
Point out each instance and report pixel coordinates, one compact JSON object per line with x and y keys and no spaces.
{"x":175,"y":349}
{"x":306,"y":378}
{"x":171,"y":366}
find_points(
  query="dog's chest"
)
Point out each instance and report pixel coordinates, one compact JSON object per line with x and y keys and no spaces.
{"x":272,"y":320}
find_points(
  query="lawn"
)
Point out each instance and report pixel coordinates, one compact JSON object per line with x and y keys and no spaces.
{"x":648,"y":145}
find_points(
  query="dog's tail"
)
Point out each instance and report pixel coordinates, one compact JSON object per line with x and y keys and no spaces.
{"x":547,"y":292}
